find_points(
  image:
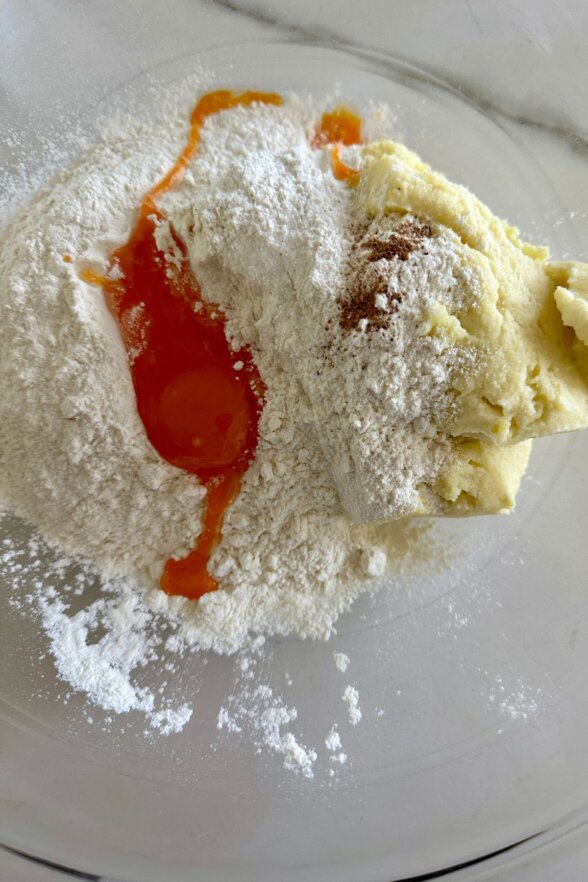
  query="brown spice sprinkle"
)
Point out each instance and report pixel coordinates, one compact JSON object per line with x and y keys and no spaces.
{"x":367,"y":280}
{"x":401,"y":242}
{"x":361,"y":305}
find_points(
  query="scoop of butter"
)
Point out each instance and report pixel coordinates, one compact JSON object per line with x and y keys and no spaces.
{"x":528,"y":332}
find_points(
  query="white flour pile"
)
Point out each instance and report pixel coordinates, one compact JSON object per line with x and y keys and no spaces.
{"x":269,"y":236}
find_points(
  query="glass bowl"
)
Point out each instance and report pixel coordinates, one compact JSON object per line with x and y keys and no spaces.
{"x":472,"y":676}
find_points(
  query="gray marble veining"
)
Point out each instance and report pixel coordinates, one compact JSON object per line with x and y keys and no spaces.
{"x":516,"y":87}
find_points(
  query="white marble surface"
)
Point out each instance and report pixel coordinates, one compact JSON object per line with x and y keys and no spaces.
{"x":530,"y":63}
{"x":523,"y":61}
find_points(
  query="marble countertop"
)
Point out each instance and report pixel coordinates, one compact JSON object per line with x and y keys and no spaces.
{"x":522,"y":61}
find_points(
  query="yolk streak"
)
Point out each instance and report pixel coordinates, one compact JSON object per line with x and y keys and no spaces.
{"x":199,"y":413}
{"x":339,"y":127}
{"x":92,"y":277}
{"x":341,"y":171}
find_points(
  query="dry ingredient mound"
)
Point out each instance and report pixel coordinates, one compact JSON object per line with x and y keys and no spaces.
{"x":74,"y":457}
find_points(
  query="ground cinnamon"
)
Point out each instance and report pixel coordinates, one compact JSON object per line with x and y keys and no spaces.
{"x":360,"y":301}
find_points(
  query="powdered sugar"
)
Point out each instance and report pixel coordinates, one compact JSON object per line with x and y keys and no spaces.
{"x":351,"y":698}
{"x":341,"y":661}
{"x":101,"y":669}
{"x":265,"y":716}
{"x":333,"y":744}
{"x":100,"y":643}
{"x":333,"y":740}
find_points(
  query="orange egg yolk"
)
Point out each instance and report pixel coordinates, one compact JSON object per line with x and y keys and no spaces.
{"x":199,"y":412}
{"x":339,"y":127}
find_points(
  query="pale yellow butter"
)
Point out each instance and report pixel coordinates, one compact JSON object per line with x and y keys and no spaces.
{"x":571,"y":295}
{"x":528,"y":329}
